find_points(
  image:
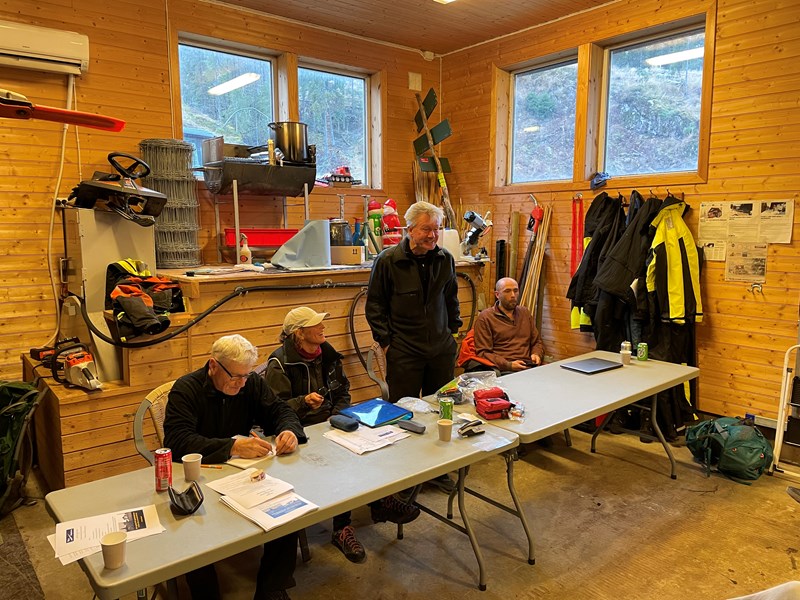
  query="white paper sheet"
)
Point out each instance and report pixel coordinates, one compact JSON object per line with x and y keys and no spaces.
{"x":365,"y":439}
{"x":248,"y":493}
{"x":274,"y":512}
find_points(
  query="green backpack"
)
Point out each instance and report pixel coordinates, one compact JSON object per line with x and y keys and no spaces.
{"x":734,"y":446}
{"x":18,"y":400}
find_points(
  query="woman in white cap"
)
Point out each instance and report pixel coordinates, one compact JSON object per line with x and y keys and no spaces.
{"x":306,"y":372}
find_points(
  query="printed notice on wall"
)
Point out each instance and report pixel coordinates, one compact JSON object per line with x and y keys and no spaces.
{"x":763,"y":221}
{"x":746,"y":261}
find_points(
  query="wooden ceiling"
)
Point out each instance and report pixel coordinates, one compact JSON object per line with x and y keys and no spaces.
{"x":422,"y":24}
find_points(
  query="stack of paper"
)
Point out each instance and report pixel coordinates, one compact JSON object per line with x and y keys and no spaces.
{"x":363,"y":440}
{"x":81,"y":537}
{"x":268,"y":502}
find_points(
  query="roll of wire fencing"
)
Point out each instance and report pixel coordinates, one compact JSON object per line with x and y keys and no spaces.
{"x":177,"y":227}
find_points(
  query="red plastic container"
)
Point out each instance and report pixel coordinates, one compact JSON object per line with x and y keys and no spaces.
{"x":260,"y":237}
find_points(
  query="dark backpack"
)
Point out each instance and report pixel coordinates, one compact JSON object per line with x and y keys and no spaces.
{"x":18,"y":400}
{"x":735,"y":447}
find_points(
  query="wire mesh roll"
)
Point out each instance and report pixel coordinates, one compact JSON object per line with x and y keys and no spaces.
{"x":178,"y":224}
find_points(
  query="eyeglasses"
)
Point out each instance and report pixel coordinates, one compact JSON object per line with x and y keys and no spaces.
{"x":232,"y":376}
{"x":333,"y":385}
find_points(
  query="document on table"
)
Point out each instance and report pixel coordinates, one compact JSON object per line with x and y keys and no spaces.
{"x":365,"y":439}
{"x":273,"y":512}
{"x":247,"y":491}
{"x":246,"y":463}
{"x":81,"y":537}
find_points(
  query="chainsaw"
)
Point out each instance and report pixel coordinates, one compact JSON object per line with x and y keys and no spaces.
{"x":73,"y":365}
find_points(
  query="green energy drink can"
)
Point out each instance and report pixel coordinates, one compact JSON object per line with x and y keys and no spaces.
{"x":641,"y":351}
{"x":445,"y":407}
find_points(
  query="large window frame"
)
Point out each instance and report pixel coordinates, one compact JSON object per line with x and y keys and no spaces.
{"x":285,"y":67}
{"x":589,"y":111}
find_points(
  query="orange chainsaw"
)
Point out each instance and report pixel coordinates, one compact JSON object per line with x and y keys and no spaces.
{"x":74,"y":365}
{"x":17,"y":106}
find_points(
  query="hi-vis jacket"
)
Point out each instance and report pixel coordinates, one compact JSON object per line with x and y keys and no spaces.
{"x":673,"y":269}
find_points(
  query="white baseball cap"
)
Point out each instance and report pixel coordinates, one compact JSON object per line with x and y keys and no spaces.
{"x":302,"y":316}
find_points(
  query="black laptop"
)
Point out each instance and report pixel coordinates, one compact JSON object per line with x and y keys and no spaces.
{"x":590,"y":366}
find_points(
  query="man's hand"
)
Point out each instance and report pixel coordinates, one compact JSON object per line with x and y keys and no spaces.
{"x":537,"y":360}
{"x":314,"y":400}
{"x":518,"y":365}
{"x":285,"y":442}
{"x":250,"y":447}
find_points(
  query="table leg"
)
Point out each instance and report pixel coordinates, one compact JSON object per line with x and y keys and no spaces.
{"x":462,"y":475}
{"x":600,"y":429}
{"x":660,"y":436}
{"x":510,"y":458}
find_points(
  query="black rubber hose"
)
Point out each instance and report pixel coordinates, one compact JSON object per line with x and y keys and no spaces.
{"x":474,"y":297}
{"x":239,"y":291}
{"x":351,"y":321}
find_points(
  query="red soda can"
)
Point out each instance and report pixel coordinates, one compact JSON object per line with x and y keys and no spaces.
{"x":163,"y":469}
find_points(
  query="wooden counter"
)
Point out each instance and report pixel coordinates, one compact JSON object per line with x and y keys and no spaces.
{"x":82,"y":436}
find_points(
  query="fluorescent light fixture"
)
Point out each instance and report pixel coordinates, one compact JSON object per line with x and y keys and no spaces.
{"x":234,"y":84}
{"x":668,"y":59}
{"x":531,"y":129}
{"x":444,"y":1}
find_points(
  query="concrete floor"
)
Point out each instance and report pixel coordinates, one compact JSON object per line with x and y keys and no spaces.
{"x":611,"y":525}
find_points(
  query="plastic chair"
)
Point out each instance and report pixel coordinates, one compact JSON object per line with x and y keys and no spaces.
{"x":376,"y":357}
{"x":156,"y":403}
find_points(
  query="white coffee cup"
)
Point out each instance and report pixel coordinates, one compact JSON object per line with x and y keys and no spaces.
{"x":191,"y":466}
{"x":113,"y":547}
{"x":625,"y":357}
{"x":445,"y":429}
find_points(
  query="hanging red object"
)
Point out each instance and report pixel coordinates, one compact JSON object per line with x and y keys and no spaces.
{"x":577,"y":233}
{"x":16,"y":106}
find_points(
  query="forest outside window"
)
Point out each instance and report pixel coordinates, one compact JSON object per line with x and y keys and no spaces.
{"x":225,"y":94}
{"x":543,"y":123}
{"x":653,"y":98}
{"x":334,"y":105}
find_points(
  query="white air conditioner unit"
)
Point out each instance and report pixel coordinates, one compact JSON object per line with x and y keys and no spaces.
{"x":41,"y":49}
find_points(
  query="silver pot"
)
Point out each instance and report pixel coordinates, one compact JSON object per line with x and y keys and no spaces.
{"x":292,"y":139}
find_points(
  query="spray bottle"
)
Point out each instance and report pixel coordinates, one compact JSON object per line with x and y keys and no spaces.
{"x":245,"y":255}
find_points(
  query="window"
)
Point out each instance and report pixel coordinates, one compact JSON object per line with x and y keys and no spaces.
{"x":334,"y":106}
{"x":543,"y":129}
{"x":225,"y":94}
{"x":653,"y":98}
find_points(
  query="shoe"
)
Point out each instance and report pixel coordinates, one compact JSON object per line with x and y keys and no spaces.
{"x":345,"y":540}
{"x":391,"y":509}
{"x":444,"y":483}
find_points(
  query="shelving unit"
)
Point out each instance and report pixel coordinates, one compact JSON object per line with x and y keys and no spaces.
{"x":787,"y":421}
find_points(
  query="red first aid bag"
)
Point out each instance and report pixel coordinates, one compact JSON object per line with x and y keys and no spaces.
{"x":492,"y":403}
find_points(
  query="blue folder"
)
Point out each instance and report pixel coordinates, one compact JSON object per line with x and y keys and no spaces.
{"x":377,"y":412}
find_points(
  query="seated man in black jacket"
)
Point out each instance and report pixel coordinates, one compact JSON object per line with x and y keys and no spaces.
{"x":212,"y":411}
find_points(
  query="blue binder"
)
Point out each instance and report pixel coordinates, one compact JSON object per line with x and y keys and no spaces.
{"x":377,"y":412}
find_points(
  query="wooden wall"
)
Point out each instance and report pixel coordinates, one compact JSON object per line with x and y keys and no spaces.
{"x":133,"y":76}
{"x":754,"y":154}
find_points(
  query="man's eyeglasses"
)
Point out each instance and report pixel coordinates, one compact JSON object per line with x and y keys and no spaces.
{"x":333,"y":385}
{"x":232,"y":376}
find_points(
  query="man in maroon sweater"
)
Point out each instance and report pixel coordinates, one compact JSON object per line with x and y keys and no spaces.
{"x":505,"y":333}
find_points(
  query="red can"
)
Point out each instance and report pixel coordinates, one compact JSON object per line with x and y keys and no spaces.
{"x":163,"y":469}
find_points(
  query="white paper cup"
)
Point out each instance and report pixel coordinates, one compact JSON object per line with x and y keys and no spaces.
{"x":191,"y":466}
{"x":625,"y":357}
{"x":113,"y":547}
{"x":445,"y":429}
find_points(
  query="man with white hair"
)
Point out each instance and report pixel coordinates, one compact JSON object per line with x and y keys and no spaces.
{"x":412,"y":309}
{"x":212,"y":411}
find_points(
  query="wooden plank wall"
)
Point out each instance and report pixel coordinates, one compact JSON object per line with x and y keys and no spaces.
{"x":131,"y":77}
{"x":754,"y":154}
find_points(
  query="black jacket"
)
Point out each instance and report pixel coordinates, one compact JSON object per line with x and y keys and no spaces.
{"x":199,"y":418}
{"x":396,"y":308}
{"x":291,"y":378}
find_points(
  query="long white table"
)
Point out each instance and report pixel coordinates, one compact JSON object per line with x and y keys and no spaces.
{"x":555,"y":398}
{"x":215,"y":532}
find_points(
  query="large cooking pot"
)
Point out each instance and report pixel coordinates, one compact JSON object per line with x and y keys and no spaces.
{"x":292,"y":139}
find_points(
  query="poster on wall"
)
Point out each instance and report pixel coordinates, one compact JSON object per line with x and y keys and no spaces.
{"x":763,"y":221}
{"x":746,"y":261}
